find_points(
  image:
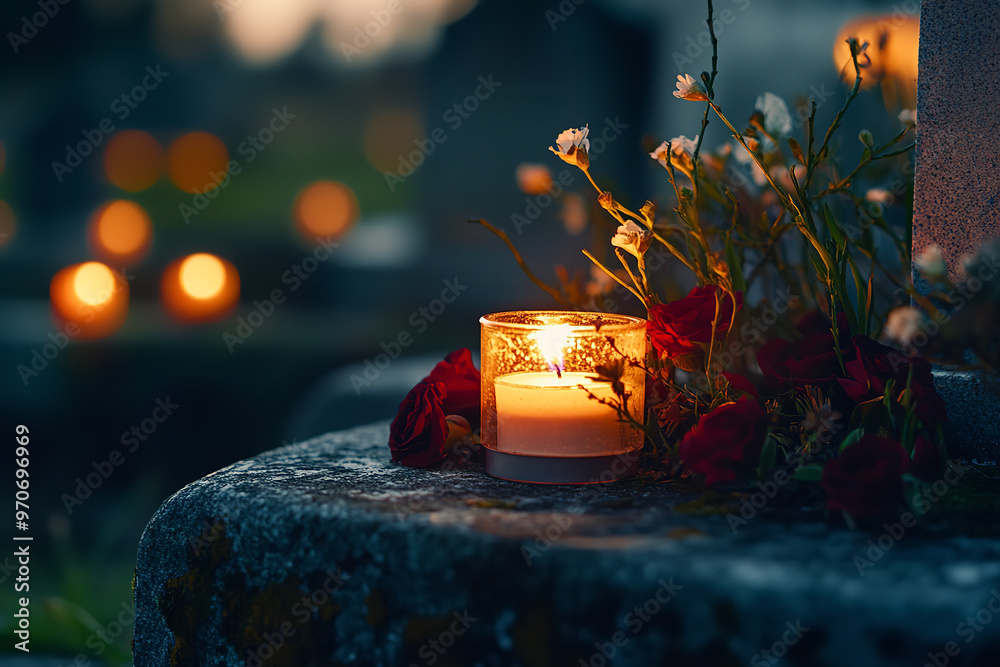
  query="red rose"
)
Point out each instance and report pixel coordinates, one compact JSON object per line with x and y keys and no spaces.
{"x":811,"y":360}
{"x":419,"y":431}
{"x":683,"y":326}
{"x":867,"y":479}
{"x":726,"y":443}
{"x":927,"y":461}
{"x":461,"y":378}
{"x":874,"y":364}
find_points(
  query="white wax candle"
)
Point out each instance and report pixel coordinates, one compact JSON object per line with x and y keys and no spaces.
{"x":545,"y":415}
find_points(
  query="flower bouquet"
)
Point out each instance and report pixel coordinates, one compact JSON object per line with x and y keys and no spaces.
{"x":768,"y":374}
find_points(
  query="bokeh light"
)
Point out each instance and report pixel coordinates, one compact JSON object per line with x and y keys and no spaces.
{"x":8,"y":224}
{"x":200,"y":288}
{"x":88,"y":300}
{"x":202,"y":275}
{"x":197,"y":162}
{"x":325,"y":209}
{"x":93,"y":283}
{"x":892,"y":51}
{"x":120,"y":231}
{"x":390,"y":134}
{"x":533,"y":179}
{"x":133,"y":160}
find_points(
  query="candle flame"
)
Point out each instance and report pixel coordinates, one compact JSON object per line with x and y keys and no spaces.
{"x":552,"y":341}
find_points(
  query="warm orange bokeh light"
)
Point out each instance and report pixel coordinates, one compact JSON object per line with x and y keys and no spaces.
{"x":93,"y":283}
{"x":8,"y":223}
{"x":89,"y":300}
{"x":892,"y":53}
{"x":202,"y":275}
{"x":325,"y":209}
{"x":200,"y":288}
{"x":391,"y":134}
{"x":120,"y":231}
{"x":133,"y":160}
{"x":197,"y":162}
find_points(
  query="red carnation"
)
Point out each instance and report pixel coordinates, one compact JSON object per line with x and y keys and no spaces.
{"x":683,"y":326}
{"x":419,"y":431}
{"x":866,"y":480}
{"x":726,"y":443}
{"x":874,"y":364}
{"x":811,"y":360}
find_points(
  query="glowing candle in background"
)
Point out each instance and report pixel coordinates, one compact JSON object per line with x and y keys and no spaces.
{"x":200,"y":288}
{"x":89,"y":300}
{"x":120,"y":232}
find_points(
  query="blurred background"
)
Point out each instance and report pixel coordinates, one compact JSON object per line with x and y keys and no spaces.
{"x":226,"y":225}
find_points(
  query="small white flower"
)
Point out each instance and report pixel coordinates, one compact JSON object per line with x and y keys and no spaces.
{"x":632,"y":238}
{"x":681,"y":148}
{"x":689,"y":89}
{"x":777,"y":120}
{"x":903,"y":324}
{"x":573,"y":146}
{"x":743,"y":157}
{"x":931,"y":262}
{"x":908,"y":116}
{"x":880,"y":196}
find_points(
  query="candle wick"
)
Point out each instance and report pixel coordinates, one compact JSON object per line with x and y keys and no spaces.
{"x":559,"y":372}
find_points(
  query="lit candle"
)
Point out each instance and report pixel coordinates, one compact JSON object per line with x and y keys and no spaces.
{"x":544,"y":414}
{"x":546,"y":417}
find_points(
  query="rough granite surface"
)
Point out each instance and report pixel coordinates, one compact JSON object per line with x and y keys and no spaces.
{"x":956,"y":194}
{"x":326,"y":553}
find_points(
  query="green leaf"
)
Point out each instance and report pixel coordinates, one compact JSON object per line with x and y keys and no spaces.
{"x":859,"y":285}
{"x":809,"y":473}
{"x":767,"y":455}
{"x":852,"y":438}
{"x":735,"y":266}
{"x":831,"y":224}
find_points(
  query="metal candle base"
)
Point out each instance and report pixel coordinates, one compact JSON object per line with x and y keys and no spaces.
{"x":560,"y":469}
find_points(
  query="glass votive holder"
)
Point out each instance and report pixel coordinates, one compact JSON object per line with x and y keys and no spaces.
{"x":546,"y":417}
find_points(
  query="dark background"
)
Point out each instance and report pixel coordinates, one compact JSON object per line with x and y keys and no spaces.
{"x":291,"y":379}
